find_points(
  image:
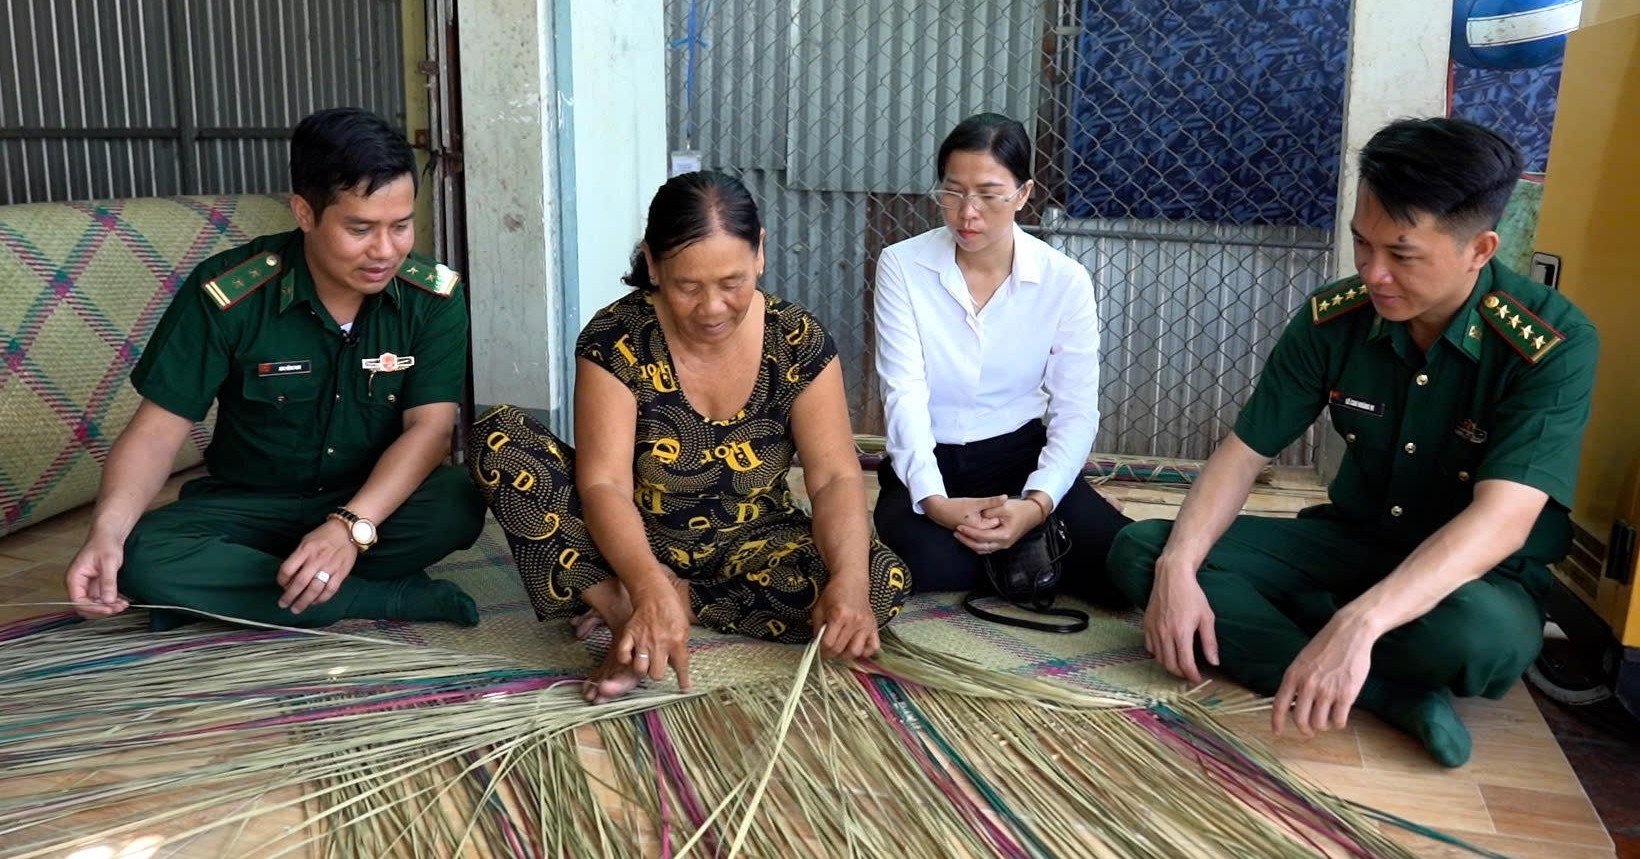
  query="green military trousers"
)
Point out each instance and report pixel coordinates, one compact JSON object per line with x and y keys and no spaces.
{"x":219,"y":547}
{"x":1274,"y":583}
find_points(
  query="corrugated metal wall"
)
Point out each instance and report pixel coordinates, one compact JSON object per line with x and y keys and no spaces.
{"x":832,"y":113}
{"x":876,"y":85}
{"x":1189,"y":312}
{"x":815,"y":104}
{"x":126,"y":98}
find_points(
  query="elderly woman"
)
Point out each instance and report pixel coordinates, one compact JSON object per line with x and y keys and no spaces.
{"x":691,"y":395}
{"x":988,"y":352}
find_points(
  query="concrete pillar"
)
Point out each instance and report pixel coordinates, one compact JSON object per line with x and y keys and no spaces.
{"x":613,"y":141}
{"x":564,"y":107}
{"x":509,"y":118}
{"x":1397,"y":67}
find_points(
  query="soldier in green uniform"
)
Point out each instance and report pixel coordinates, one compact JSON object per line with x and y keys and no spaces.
{"x":1461,"y":390}
{"x":336,"y":358}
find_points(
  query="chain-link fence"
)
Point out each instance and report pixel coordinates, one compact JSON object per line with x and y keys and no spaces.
{"x":1186,"y":154}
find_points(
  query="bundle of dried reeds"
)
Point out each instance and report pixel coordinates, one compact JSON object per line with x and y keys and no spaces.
{"x":279,"y":742}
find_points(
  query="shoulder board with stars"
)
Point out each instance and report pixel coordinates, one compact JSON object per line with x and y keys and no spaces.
{"x":229,"y":287}
{"x":437,"y":278}
{"x":1329,"y":304}
{"x":1521,"y":328}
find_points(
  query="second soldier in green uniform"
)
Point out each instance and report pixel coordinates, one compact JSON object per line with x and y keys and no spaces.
{"x":1461,"y":390}
{"x":336,"y":358}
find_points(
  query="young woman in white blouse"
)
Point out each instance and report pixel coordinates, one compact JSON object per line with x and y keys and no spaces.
{"x":988,"y":352}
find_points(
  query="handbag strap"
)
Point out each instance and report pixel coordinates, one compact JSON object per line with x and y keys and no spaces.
{"x":1077,"y":620}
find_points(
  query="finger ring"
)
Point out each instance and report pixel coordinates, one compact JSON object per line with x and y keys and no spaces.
{"x":323,"y":577}
{"x":641,"y":655}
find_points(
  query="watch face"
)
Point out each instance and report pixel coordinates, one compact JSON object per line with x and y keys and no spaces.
{"x":363,"y":532}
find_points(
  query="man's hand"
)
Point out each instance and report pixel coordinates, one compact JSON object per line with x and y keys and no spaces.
{"x":316,"y":569}
{"x":1177,"y":614}
{"x":93,"y":578}
{"x":1321,"y":685}
{"x":1014,"y":517}
{"x":844,"y":610}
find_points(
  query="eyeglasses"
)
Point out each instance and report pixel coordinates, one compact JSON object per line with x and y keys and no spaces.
{"x":952,"y":201}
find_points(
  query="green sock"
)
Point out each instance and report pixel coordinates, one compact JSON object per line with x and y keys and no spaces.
{"x":1424,"y":713}
{"x":415,"y":597}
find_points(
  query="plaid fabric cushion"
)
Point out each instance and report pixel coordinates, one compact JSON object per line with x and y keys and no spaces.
{"x":81,"y":287}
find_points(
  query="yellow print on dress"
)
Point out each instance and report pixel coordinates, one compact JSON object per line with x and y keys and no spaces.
{"x":552,"y":521}
{"x":660,"y":377}
{"x":799,"y":334}
{"x":648,"y":496}
{"x":625,"y":349}
{"x":739,"y":456}
{"x":746,"y":551}
{"x":666,"y":450}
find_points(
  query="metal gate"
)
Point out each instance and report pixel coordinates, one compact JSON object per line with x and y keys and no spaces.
{"x":1186,"y":154}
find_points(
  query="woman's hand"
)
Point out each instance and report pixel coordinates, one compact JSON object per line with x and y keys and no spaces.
{"x":657,"y":635}
{"x":1014,"y":518}
{"x":951,"y":513}
{"x":844,"y":611}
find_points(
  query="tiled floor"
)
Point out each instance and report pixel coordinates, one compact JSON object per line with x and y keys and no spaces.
{"x":1519,"y":796}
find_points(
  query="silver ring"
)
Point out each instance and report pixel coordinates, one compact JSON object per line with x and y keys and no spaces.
{"x":640,"y":656}
{"x":323,"y":577}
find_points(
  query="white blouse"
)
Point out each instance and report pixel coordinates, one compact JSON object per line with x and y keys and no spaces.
{"x":951,"y":375}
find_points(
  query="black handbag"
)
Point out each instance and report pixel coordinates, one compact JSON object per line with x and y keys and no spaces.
{"x":1026,"y":575}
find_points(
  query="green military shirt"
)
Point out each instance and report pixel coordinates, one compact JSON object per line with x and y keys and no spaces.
{"x":1503,"y":394}
{"x":302,"y":407}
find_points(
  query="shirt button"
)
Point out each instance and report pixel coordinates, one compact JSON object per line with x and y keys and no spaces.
{"x":1349,"y":438}
{"x":392,"y":398}
{"x":1423,"y":379}
{"x":1463,"y":477}
{"x":338,"y":398}
{"x":1411,"y":448}
{"x":330,"y":451}
{"x":1396,"y":510}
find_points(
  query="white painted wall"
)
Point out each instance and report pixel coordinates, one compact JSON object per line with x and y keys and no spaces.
{"x":614,"y":104}
{"x":564,"y":109}
{"x":509,"y":139}
{"x":1397,"y":68}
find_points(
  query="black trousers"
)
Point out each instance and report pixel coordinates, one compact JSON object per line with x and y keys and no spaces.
{"x":996,"y":466}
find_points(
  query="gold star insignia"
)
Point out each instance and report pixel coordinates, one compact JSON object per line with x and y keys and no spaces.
{"x":1503,"y":311}
{"x":1540,"y":342}
{"x":1474,"y":331}
{"x":1527,"y":331}
{"x":415,"y":269}
{"x":1514,"y":321}
{"x":1351,"y":293}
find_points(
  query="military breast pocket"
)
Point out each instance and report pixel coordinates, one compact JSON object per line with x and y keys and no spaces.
{"x":1361,"y":431}
{"x":381,"y":390}
{"x":279,"y":393}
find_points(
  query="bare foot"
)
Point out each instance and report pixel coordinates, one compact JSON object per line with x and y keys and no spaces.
{"x":586,"y":624}
{"x":612,"y":680}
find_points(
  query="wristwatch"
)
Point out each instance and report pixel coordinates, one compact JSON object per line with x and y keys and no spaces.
{"x":361,"y":531}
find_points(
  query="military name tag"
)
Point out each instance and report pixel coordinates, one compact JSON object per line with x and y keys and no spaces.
{"x":284,"y":368}
{"x":387,"y":362}
{"x":1471,"y":432}
{"x":1339,"y":398}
